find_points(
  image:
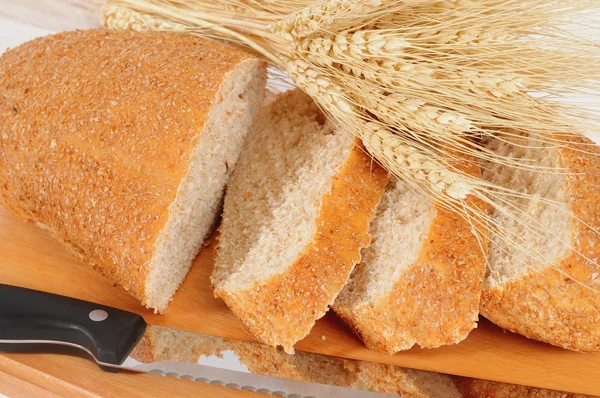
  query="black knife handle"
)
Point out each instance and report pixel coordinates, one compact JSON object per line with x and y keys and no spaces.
{"x":34,"y":317}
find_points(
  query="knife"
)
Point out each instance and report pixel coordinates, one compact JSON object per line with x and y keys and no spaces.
{"x":117,"y":339}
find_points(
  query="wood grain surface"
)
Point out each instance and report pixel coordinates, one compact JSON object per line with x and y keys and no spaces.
{"x":53,"y":375}
{"x":30,"y":257}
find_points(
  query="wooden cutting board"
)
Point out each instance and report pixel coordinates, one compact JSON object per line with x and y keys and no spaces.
{"x":29,"y":257}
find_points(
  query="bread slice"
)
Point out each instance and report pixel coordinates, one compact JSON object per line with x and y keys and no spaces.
{"x":295,"y":217}
{"x":120,"y":144}
{"x":420,"y":280}
{"x":552,"y":294}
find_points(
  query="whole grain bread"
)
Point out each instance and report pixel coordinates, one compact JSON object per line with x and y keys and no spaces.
{"x":295,"y":218}
{"x":546,"y":286}
{"x":120,"y":144}
{"x":420,"y":281}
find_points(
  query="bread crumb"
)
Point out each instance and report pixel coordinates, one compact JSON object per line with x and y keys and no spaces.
{"x":322,"y":337}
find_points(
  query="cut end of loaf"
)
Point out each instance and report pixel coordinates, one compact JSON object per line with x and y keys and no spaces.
{"x":295,"y":217}
{"x":199,"y":197}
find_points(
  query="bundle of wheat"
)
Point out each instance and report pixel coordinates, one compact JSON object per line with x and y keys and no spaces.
{"x":422,"y":82}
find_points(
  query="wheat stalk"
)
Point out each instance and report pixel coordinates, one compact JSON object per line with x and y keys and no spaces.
{"x":121,"y":18}
{"x":411,"y":164}
{"x":323,"y":16}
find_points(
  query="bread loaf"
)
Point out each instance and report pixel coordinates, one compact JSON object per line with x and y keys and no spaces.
{"x":543,"y":282}
{"x":295,"y":217}
{"x":120,"y":144}
{"x":420,"y":280}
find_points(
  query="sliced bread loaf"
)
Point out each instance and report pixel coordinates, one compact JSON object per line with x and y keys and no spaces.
{"x":120,"y":144}
{"x":543,"y":280}
{"x":420,"y":280}
{"x":295,"y":217}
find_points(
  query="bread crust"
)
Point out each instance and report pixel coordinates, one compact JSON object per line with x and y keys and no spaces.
{"x":436,"y":300}
{"x":561,"y":308}
{"x":475,"y":388}
{"x":284,"y":308}
{"x":98,"y":128}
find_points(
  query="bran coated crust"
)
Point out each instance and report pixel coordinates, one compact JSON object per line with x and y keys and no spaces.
{"x":561,"y":308}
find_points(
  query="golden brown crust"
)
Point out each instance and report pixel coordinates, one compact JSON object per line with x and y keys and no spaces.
{"x":474,"y":388}
{"x":436,"y":301}
{"x":97,"y":131}
{"x":561,"y":308}
{"x":283,"y":309}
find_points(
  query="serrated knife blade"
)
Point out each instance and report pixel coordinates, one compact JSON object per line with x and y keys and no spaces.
{"x":118,"y":339}
{"x":254,"y":382}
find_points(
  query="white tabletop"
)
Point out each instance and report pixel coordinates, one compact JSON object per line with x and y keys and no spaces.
{"x":14,"y":33}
